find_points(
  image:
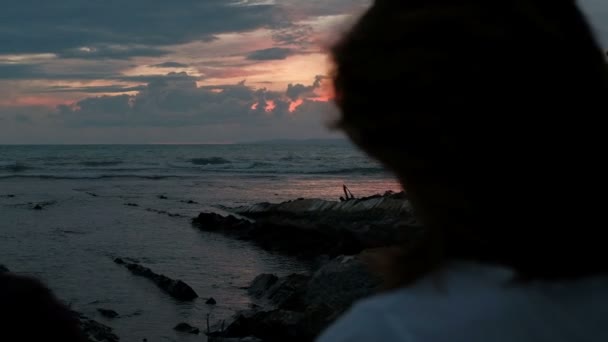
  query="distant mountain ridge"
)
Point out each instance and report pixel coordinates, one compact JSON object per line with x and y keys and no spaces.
{"x":300,"y":141}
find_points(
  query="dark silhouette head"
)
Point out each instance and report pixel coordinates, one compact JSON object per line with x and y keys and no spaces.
{"x":30,"y":312}
{"x":489,"y":112}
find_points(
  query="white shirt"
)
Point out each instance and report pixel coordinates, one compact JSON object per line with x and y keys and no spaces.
{"x":473,"y":303}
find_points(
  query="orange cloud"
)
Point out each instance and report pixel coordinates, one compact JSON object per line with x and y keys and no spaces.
{"x":270,"y":106}
{"x":293,"y":106}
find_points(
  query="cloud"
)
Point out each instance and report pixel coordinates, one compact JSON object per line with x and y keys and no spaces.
{"x":299,"y":91}
{"x":170,"y":65}
{"x":129,"y":26}
{"x":270,"y":54}
{"x":295,"y":34}
{"x":112,"y":52}
{"x":176,"y":101}
{"x":93,"y":89}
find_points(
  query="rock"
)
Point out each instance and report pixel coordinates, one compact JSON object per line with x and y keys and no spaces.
{"x":238,"y":339}
{"x":163,"y":197}
{"x":176,"y":288}
{"x":132,"y":205}
{"x":341,"y":282}
{"x":275,"y":325}
{"x":186,"y":328}
{"x":108,"y":313}
{"x":288,"y":293}
{"x":4,"y":269}
{"x":211,"y":301}
{"x":305,"y":305}
{"x":97,"y":332}
{"x":37,"y":207}
{"x":261,"y":284}
{"x":312,"y":227}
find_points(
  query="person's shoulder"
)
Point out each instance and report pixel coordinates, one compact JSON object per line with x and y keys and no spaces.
{"x":368,"y":320}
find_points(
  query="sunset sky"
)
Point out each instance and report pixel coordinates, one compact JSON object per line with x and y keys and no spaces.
{"x":182,"y":71}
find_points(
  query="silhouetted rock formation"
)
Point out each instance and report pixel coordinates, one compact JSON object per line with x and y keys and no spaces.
{"x":108,"y":313}
{"x":186,"y":328}
{"x":298,"y":307}
{"x":310,"y":228}
{"x":211,"y":301}
{"x":176,"y":288}
{"x":95,"y":331}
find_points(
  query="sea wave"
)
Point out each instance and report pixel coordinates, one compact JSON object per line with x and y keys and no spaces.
{"x":209,"y":161}
{"x":14,"y":167}
{"x":101,"y":163}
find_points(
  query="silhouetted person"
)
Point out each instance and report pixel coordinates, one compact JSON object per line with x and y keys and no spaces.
{"x":30,"y":312}
{"x":348,"y":195}
{"x":490,"y":113}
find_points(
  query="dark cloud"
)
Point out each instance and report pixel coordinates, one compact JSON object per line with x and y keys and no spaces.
{"x":294,"y":34}
{"x":93,"y":89}
{"x":38,"y":72}
{"x":270,"y":54}
{"x":18,"y":71}
{"x":299,"y":91}
{"x":33,"y":26}
{"x":112,"y":52}
{"x":177,"y":101}
{"x":170,"y":65}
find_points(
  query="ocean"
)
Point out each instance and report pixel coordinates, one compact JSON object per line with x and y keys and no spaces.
{"x":100,"y":202}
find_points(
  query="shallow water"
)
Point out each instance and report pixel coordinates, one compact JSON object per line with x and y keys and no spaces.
{"x":71,"y":243}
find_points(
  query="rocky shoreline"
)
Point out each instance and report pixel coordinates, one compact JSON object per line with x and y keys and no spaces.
{"x":343,"y":237}
{"x":340,"y":238}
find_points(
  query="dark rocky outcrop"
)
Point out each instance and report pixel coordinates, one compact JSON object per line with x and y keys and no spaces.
{"x":298,"y":307}
{"x":211,"y":301}
{"x":186,"y":328}
{"x":107,"y":313}
{"x":95,"y":331}
{"x":310,"y":227}
{"x":237,"y":339}
{"x":176,"y":288}
{"x":261,"y":284}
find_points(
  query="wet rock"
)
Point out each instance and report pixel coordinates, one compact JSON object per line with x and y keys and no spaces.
{"x":288,"y":293}
{"x":304,"y":305}
{"x":261,"y":284}
{"x":238,"y":339}
{"x":4,"y":269}
{"x":132,"y":205}
{"x":107,"y":313}
{"x":175,"y":288}
{"x":186,"y":328}
{"x":340,"y":283}
{"x":37,"y":207}
{"x":211,"y":301}
{"x":275,"y":325}
{"x":309,"y":228}
{"x":163,"y":197}
{"x":97,"y":332}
